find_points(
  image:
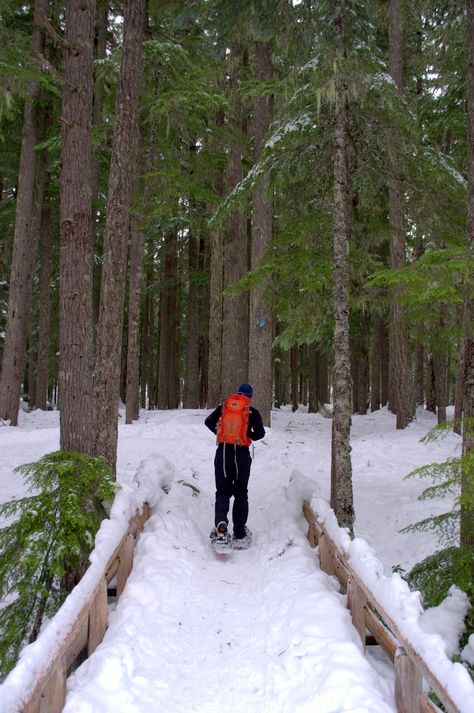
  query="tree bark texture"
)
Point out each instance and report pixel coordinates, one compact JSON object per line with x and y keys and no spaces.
{"x":355,"y":356}
{"x":323,"y":378}
{"x":23,"y":257}
{"x":204,"y":297}
{"x":168,"y":394}
{"x":100,"y":52}
{"x":112,"y":293}
{"x":36,"y":227}
{"x":260,"y":322}
{"x":216,"y":283}
{"x":341,"y":467}
{"x":440,"y":362}
{"x":138,"y":224}
{"x":419,"y":375}
{"x":76,"y":247}
{"x":214,"y":390}
{"x":458,"y":405}
{"x":313,"y":367}
{"x":146,"y":336}
{"x":401,"y":395}
{"x":191,"y":380}
{"x":295,"y":362}
{"x":235,"y":308}
{"x":375,"y":369}
{"x":137,"y":249}
{"x":430,"y":385}
{"x":363,"y":372}
{"x":42,"y":374}
{"x":467,"y":484}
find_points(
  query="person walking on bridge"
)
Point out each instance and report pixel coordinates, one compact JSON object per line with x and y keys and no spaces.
{"x":236,"y":424}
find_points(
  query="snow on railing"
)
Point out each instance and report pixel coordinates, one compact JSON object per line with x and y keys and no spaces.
{"x":37,"y":684}
{"x":389,"y":611}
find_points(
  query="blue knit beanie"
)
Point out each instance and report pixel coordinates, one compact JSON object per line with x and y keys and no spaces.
{"x":245,"y":389}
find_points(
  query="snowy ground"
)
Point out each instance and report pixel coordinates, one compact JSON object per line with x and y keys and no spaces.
{"x":265,"y":630}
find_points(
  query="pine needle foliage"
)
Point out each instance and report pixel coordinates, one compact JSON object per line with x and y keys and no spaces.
{"x":434,"y":575}
{"x":48,"y":534}
{"x":446,"y":479}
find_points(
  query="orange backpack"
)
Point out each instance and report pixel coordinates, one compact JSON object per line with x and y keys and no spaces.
{"x":234,"y":421}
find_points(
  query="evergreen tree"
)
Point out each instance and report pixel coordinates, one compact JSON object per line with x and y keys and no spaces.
{"x":24,"y":248}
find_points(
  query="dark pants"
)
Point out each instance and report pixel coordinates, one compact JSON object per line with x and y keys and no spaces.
{"x":232,"y":469}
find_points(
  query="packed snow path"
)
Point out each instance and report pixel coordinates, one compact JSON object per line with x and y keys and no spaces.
{"x":265,"y":630}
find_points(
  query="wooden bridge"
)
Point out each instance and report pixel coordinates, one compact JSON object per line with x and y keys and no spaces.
{"x":47,"y":690}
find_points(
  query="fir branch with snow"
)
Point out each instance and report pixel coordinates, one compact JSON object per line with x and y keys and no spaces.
{"x":45,"y":548}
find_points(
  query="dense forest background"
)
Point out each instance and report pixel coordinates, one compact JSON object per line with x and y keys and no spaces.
{"x":198,"y":194}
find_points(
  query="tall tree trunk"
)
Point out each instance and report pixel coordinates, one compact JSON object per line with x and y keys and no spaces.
{"x":287,"y":379}
{"x":112,"y":292}
{"x":191,"y":381}
{"x":36,"y":223}
{"x":430,"y":385}
{"x":294,"y":356}
{"x":204,"y":262}
{"x":76,"y":246}
{"x":214,"y":390}
{"x":137,"y":251}
{"x":260,"y":323}
{"x":354,"y":361}
{"x":401,"y":388}
{"x":100,"y":45}
{"x":458,"y":405}
{"x":341,"y":467}
{"x":313,"y":366}
{"x":375,"y":369}
{"x":216,"y":282}
{"x":23,"y":258}
{"x":441,"y":375}
{"x":384,"y":362}
{"x":420,"y":375}
{"x":235,"y":308}
{"x":167,"y":370}
{"x":147,"y":326}
{"x":467,"y":484}
{"x":363,"y":374}
{"x":323,"y":378}
{"x":42,"y":374}
{"x":417,"y":253}
{"x":32,"y":364}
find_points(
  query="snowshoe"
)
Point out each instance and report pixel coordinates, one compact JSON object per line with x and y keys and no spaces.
{"x":243,"y":543}
{"x":221,"y":540}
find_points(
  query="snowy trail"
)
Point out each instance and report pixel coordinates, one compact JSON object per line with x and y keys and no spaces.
{"x":263,"y":631}
{"x":266,"y":631}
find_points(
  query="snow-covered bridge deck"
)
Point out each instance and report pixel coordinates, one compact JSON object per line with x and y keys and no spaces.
{"x":264,"y":631}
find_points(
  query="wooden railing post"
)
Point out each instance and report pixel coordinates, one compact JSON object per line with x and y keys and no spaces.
{"x":326,"y":556}
{"x":408,"y":683}
{"x":356,"y":603}
{"x":54,"y":694}
{"x":97,"y":618}
{"x":126,"y":562}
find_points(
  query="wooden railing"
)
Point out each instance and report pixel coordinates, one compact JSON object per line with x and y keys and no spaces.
{"x":368,"y":615}
{"x":49,"y":690}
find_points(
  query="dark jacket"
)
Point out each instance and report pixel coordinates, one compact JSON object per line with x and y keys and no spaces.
{"x":255,"y":430}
